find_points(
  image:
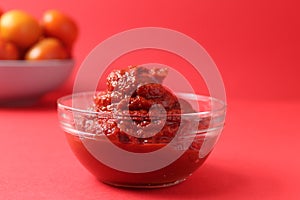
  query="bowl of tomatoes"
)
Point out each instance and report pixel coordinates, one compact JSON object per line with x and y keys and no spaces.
{"x":35,"y":54}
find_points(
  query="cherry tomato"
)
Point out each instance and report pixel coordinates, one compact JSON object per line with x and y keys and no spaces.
{"x":47,"y":48}
{"x":20,"y":28}
{"x":61,"y":26}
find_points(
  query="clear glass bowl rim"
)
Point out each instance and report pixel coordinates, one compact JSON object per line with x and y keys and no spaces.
{"x":189,"y":96}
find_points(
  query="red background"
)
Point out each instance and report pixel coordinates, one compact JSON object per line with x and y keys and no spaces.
{"x":254,"y":43}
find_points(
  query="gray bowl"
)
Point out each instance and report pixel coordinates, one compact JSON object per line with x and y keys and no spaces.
{"x":25,"y":81}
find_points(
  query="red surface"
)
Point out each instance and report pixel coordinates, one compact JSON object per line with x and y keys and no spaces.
{"x":255,"y":45}
{"x":257,"y":157}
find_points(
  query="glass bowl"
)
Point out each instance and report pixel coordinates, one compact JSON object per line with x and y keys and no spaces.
{"x":141,"y":162}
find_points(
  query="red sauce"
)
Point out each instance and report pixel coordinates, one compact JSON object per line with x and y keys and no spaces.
{"x":176,"y":171}
{"x":132,"y":92}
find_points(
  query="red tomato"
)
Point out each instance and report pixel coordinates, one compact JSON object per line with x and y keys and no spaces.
{"x":20,"y":28}
{"x":61,"y":26}
{"x":8,"y":51}
{"x":47,"y":48}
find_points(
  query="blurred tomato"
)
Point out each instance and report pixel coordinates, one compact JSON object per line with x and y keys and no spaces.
{"x":1,"y":12}
{"x":8,"y":51}
{"x":47,"y":48}
{"x":20,"y":28}
{"x":61,"y":26}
